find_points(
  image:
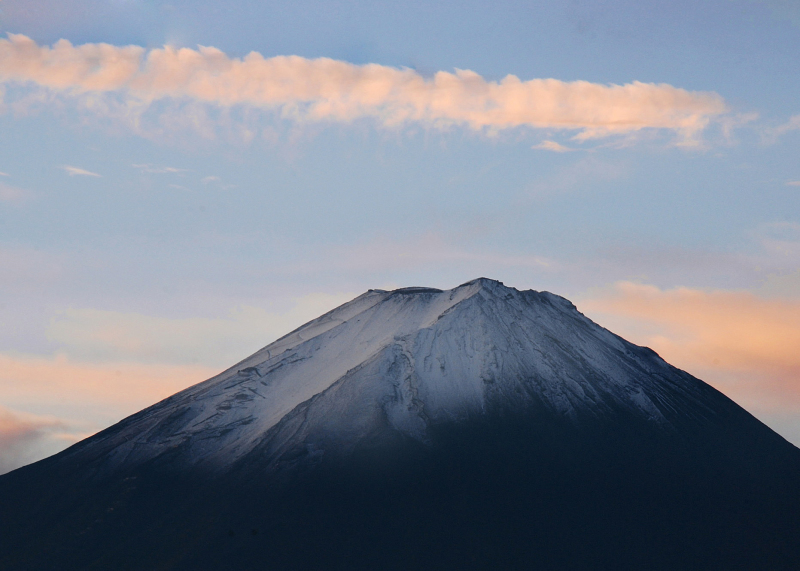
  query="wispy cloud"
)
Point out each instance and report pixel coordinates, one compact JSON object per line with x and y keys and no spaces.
{"x":22,"y":437}
{"x":743,"y":344}
{"x":329,"y":90}
{"x":4,"y":174}
{"x":552,"y":146}
{"x":215,"y":180}
{"x":793,"y":183}
{"x":81,"y":398}
{"x":733,"y":121}
{"x":150,"y":169}
{"x":75,"y":171}
{"x":771,"y":135}
{"x":10,"y":193}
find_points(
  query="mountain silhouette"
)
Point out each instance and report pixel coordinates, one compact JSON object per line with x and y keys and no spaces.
{"x":475,"y":428}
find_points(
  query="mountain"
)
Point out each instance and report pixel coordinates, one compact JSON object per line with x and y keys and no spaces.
{"x":475,"y":428}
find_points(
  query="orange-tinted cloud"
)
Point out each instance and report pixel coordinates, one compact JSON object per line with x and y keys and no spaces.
{"x":23,"y":435}
{"x":96,"y":336}
{"x":79,"y":398}
{"x":109,"y":389}
{"x":115,"y":364}
{"x":552,"y":146}
{"x":330,"y":90}
{"x":745,"y":345}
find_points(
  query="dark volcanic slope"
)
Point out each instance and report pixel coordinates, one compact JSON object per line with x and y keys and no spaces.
{"x":476,"y":428}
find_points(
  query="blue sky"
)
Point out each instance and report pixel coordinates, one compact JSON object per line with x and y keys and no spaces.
{"x":156,"y":228}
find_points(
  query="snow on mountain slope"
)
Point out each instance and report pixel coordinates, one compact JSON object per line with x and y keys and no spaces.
{"x":402,"y":360}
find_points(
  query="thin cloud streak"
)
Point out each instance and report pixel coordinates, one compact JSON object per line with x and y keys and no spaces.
{"x":324,"y":89}
{"x":552,"y":146}
{"x":75,"y":171}
{"x":150,"y":169}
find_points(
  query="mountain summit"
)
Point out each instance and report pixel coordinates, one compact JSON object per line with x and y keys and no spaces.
{"x":473,"y":428}
{"x":401,"y":362}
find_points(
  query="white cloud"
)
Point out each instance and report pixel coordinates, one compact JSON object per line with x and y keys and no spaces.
{"x":733,"y":121}
{"x":150,"y":169}
{"x":4,"y":174}
{"x":329,"y":90}
{"x":217,"y":181}
{"x":75,"y":171}
{"x":793,"y":183}
{"x":774,"y":133}
{"x":552,"y":146}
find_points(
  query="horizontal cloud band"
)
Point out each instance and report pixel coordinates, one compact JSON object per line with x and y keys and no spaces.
{"x":744,"y":344}
{"x":326,"y":89}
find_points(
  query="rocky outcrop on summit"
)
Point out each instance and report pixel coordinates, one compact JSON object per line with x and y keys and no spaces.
{"x":475,"y":428}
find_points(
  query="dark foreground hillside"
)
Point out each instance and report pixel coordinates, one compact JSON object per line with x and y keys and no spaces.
{"x":510,"y":494}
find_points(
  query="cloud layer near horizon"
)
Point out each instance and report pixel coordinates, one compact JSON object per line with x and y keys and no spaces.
{"x":99,"y":336}
{"x":743,"y":344}
{"x":22,"y":437}
{"x":116,"y":363}
{"x":113,"y":364}
{"x":324,"y":89}
{"x":80,"y":397}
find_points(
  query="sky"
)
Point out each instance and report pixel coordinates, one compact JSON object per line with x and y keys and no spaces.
{"x":183,"y":182}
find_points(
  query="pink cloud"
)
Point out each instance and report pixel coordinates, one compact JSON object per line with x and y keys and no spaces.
{"x":10,"y":193}
{"x":117,"y":388}
{"x":21,"y":434}
{"x":745,"y":345}
{"x":329,"y":90}
{"x":79,"y":398}
{"x":552,"y":146}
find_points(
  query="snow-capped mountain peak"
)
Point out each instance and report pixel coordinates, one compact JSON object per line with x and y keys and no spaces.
{"x":480,"y":427}
{"x":401,"y":360}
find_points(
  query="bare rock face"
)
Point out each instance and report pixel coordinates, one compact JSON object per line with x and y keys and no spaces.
{"x":475,"y":428}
